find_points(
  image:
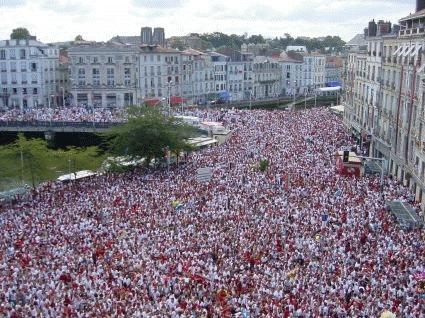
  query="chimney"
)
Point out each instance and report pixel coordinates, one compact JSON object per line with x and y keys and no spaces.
{"x":420,"y":5}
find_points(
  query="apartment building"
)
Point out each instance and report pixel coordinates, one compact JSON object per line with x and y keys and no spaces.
{"x":160,"y":72}
{"x":29,"y":71}
{"x":240,"y":76}
{"x":334,"y":67}
{"x":384,"y":101}
{"x":104,"y":74}
{"x":267,"y":77}
{"x":314,"y":71}
{"x":291,"y":64}
{"x":197,"y":76}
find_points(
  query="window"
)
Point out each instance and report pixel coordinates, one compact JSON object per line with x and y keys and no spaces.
{"x":2,"y":54}
{"x":3,"y":66}
{"x":14,"y":81}
{"x":127,"y":77}
{"x":81,"y":60}
{"x":34,"y":78}
{"x":110,"y":60}
{"x":151,"y":58}
{"x":96,"y":77}
{"x":12,"y":54}
{"x":33,"y":67}
{"x":23,"y":66}
{"x":81,"y":76}
{"x":158,"y":58}
{"x":4,"y":78}
{"x":13,"y":66}
{"x":95,"y":59}
{"x":34,"y":91}
{"x":22,"y":54}
{"x":127,"y":59}
{"x":24,"y":91}
{"x":24,"y":78}
{"x":110,"y":76}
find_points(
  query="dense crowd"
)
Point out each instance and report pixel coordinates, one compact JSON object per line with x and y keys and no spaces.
{"x":67,"y":114}
{"x":297,"y":240}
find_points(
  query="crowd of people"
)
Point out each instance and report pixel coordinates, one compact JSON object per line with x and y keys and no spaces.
{"x":295,"y":240}
{"x":66,"y":114}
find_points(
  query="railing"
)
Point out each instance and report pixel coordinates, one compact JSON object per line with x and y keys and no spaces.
{"x":57,"y":124}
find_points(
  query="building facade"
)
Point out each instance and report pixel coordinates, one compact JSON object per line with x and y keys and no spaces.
{"x":104,"y":75}
{"x":384,"y":100}
{"x":291,"y":73}
{"x":160,"y":72}
{"x":267,"y":77}
{"x":314,"y":71}
{"x":29,"y":74}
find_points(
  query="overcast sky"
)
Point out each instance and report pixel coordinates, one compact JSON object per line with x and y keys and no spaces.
{"x":61,"y":20}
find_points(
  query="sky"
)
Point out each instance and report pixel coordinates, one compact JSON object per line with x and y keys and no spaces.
{"x":100,"y":20}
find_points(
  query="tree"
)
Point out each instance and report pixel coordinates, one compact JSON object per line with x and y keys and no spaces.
{"x":32,"y":161}
{"x":19,"y":34}
{"x":149,"y":134}
{"x":79,"y":38}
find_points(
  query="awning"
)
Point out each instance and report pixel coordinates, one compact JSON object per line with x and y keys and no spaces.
{"x":329,"y":89}
{"x":398,"y":50}
{"x":410,"y":50}
{"x":418,"y":47}
{"x":175,"y":100}
{"x":337,"y":109}
{"x":405,"y":48}
{"x":152,"y":102}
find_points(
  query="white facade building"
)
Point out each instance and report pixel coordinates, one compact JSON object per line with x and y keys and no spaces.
{"x":314,"y":71}
{"x":267,"y":77}
{"x":104,"y":75}
{"x":292,"y":73}
{"x":160,"y":72}
{"x":28,"y":74}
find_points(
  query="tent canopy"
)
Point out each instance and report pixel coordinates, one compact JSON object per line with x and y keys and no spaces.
{"x":329,"y":89}
{"x":175,"y":100}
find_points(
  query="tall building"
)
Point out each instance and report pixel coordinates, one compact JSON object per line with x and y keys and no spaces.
{"x":158,"y":36}
{"x":384,"y":102}
{"x":29,"y":74}
{"x":146,"y":36}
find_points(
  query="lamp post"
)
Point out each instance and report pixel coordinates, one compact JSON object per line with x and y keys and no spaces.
{"x":250,"y":99}
{"x":63,"y":96}
{"x":169,"y":98}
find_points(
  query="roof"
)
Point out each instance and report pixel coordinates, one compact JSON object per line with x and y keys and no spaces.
{"x":358,"y":40}
{"x":191,"y":51}
{"x":416,"y":15}
{"x":157,"y":49}
{"x":129,"y":40}
{"x":100,"y":46}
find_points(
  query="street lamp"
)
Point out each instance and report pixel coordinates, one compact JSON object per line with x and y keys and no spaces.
{"x":169,"y":97}
{"x":63,"y":96}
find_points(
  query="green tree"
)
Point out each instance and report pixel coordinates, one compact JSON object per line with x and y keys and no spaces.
{"x":149,"y":134}
{"x":19,"y":34}
{"x":32,"y":158}
{"x":78,"y":38}
{"x":74,"y":159}
{"x":32,"y":161}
